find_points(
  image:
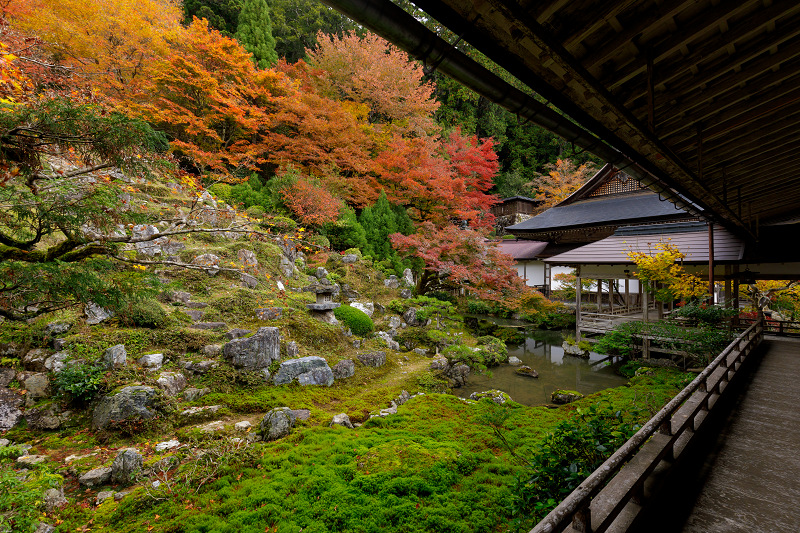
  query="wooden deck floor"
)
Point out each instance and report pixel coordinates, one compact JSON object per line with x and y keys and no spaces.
{"x":750,"y":482}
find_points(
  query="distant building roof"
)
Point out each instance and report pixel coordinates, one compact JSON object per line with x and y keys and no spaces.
{"x":522,"y":250}
{"x":691,"y":238}
{"x":635,"y":207}
{"x":521,"y":198}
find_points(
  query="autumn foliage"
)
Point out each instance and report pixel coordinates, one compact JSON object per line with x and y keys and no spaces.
{"x":563,"y":179}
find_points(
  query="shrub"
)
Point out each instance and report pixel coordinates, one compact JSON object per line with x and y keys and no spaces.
{"x":222,"y":191}
{"x":256,"y":211}
{"x":320,"y":241}
{"x":145,"y":314}
{"x":81,"y":382}
{"x":492,"y":350}
{"x":280,"y":224}
{"x":358,"y":321}
{"x":478,"y":307}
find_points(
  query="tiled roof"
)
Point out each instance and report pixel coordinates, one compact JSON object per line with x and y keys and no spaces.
{"x":522,"y":249}
{"x":629,"y":208}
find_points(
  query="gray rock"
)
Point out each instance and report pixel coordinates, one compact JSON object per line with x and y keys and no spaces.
{"x":199,"y":367}
{"x":367,"y":308}
{"x":196,"y":305}
{"x":421,"y":351}
{"x":574,"y":349}
{"x":209,"y":325}
{"x":119,"y":495}
{"x":375,"y":359}
{"x":153,"y":361}
{"x":96,"y":477}
{"x":248,"y":258}
{"x":256,"y":352}
{"x":395,"y":323}
{"x":406,"y":293}
{"x":356,"y":343}
{"x":408,"y":278}
{"x":287,"y":268}
{"x":30,"y":460}
{"x":4,"y":443}
{"x":44,"y":528}
{"x":209,"y":262}
{"x":9,"y":349}
{"x":440,"y":363}
{"x":277,"y":423}
{"x":410,"y":317}
{"x":58,"y":344}
{"x":195,"y":314}
{"x":515,"y":361}
{"x":131,"y":402}
{"x":301,"y":414}
{"x":344,"y":369}
{"x":248,"y":280}
{"x":56,"y":362}
{"x":115,"y":357}
{"x":403,"y":398}
{"x":291,"y":349}
{"x":192,"y":394}
{"x":54,"y":329}
{"x":312,"y":370}
{"x":392,"y":282}
{"x":147,"y":247}
{"x":7,"y":376}
{"x":497,"y":396}
{"x":458,"y":374}
{"x":102,"y":496}
{"x":167,"y":445}
{"x":237,"y":333}
{"x":10,"y":412}
{"x":341,"y":420}
{"x":349,"y":259}
{"x":181,"y":297}
{"x":244,"y":425}
{"x":526,"y":371}
{"x":269,"y":313}
{"x":44,"y":418}
{"x":35,"y":359}
{"x":54,"y":499}
{"x":37,"y":385}
{"x":96,"y":314}
{"x":322,"y":272}
{"x":126,"y":467}
{"x":172,"y":383}
{"x":211,"y":350}
{"x":565,"y":396}
{"x":194,"y":415}
{"x":387,"y":338}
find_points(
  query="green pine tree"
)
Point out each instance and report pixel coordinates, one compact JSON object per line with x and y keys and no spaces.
{"x":380,"y":221}
{"x":254,"y":32}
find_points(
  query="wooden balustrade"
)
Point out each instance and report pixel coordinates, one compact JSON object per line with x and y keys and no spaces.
{"x":618,"y":484}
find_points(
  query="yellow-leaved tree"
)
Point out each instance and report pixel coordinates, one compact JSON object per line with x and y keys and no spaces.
{"x":663,"y":275}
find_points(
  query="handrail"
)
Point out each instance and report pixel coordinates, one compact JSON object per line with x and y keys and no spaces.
{"x":576,"y":507}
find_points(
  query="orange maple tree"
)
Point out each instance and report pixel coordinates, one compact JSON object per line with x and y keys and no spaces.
{"x":563,"y":179}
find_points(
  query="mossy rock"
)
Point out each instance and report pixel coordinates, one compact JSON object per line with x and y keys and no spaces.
{"x":561,"y":396}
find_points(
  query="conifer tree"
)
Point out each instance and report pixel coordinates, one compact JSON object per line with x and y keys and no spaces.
{"x":254,"y":32}
{"x":380,"y":221}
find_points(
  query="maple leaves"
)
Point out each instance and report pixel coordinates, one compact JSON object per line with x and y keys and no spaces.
{"x":564,"y":179}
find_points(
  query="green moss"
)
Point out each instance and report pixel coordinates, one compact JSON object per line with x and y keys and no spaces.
{"x":355,"y":319}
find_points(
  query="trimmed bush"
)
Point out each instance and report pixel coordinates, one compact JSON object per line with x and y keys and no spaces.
{"x":358,"y":321}
{"x":145,"y":314}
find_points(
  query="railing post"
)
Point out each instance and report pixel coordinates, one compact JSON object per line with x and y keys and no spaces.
{"x":582,"y":519}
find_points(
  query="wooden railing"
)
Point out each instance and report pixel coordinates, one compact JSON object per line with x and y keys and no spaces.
{"x":598,"y":502}
{"x":783,"y":328}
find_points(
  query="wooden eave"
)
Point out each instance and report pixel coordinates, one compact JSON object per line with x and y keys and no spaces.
{"x":701,"y":92}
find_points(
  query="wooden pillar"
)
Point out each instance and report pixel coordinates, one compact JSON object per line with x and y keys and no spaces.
{"x":599,"y":295}
{"x":611,"y":296}
{"x":728,"y":286}
{"x":627,"y":291}
{"x":578,"y":297}
{"x":645,"y":318}
{"x":711,"y":261}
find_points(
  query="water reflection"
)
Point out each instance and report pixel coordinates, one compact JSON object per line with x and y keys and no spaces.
{"x":542,"y":351}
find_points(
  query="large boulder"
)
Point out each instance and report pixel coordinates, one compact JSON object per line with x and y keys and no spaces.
{"x":126,"y":467}
{"x":458,"y":375}
{"x":194,"y":415}
{"x":312,"y":370}
{"x":54,"y":499}
{"x":387,"y":338}
{"x":44,"y":418}
{"x":392,"y":283}
{"x":561,"y":397}
{"x":96,"y":477}
{"x":35,"y":360}
{"x":152,"y":361}
{"x":341,"y":420}
{"x":497,"y":396}
{"x":256,"y":352}
{"x":344,"y":369}
{"x":172,"y":383}
{"x":148,"y":246}
{"x":410,"y":316}
{"x":96,"y":314}
{"x":440,"y":363}
{"x":248,"y":258}
{"x":115,"y":357}
{"x":54,"y":329}
{"x":10,"y":412}
{"x":526,"y":371}
{"x":36,"y":384}
{"x":55,"y":363}
{"x":408,"y":278}
{"x":7,"y":375}
{"x":210,"y":262}
{"x":277,"y":423}
{"x":368,"y":308}
{"x":131,"y":402}
{"x":375,"y":359}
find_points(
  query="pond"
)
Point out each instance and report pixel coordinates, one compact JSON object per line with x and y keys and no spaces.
{"x":542,"y":351}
